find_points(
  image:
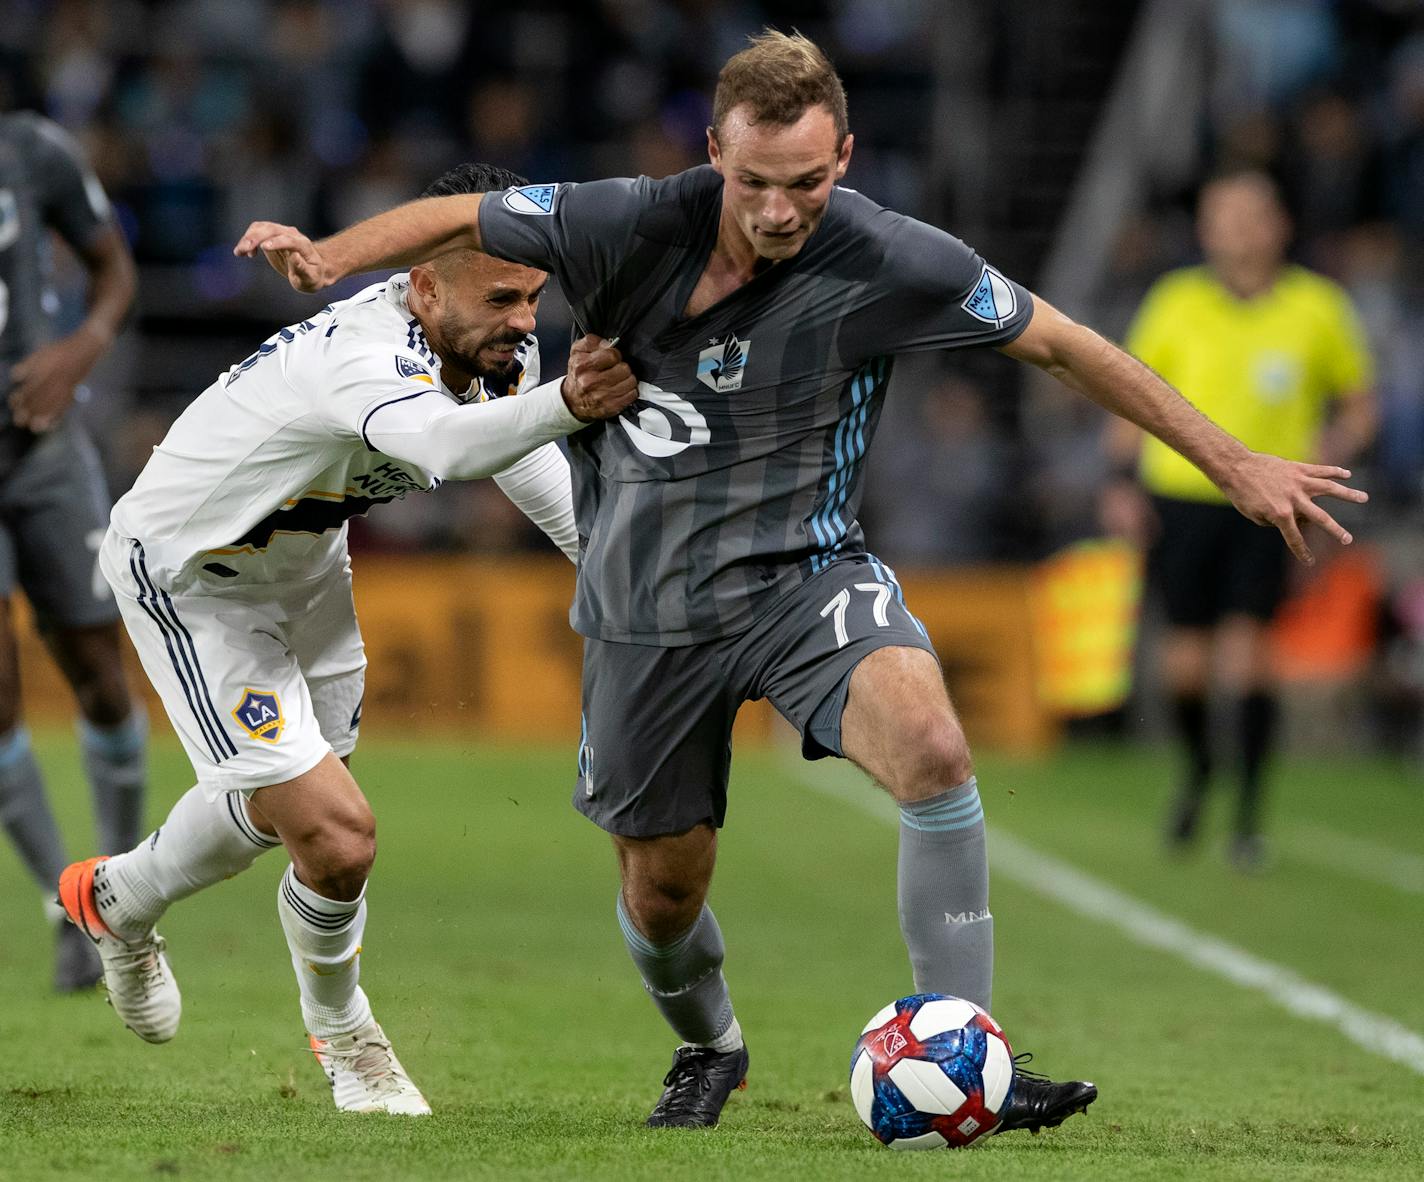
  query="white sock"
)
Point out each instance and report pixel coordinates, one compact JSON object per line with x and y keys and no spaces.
{"x":200,"y":843}
{"x":325,"y":938}
{"x":729,"y":1040}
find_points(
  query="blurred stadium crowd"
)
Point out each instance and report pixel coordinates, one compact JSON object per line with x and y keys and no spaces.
{"x":203,"y":114}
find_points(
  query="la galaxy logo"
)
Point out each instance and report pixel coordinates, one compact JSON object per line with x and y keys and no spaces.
{"x":532,"y":199}
{"x":992,"y":300}
{"x":260,"y":715}
{"x":722,"y":364}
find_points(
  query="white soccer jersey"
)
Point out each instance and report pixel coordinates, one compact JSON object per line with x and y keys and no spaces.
{"x":256,"y":480}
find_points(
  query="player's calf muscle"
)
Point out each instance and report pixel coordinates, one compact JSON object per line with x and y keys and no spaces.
{"x":327,"y":826}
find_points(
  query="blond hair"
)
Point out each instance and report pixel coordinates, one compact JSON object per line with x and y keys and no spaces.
{"x":779,"y":76}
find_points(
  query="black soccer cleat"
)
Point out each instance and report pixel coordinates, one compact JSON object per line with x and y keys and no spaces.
{"x":1185,"y":817}
{"x":1036,"y":1102}
{"x":697,"y":1086}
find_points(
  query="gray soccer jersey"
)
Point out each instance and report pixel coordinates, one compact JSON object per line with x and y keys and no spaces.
{"x":44,"y":184}
{"x":737,"y":473}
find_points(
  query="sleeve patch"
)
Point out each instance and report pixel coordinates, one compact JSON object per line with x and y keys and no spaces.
{"x":413,"y":370}
{"x":536,"y":200}
{"x":992,"y":300}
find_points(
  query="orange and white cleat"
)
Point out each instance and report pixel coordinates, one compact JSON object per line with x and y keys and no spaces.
{"x":365,"y":1075}
{"x":140,"y":984}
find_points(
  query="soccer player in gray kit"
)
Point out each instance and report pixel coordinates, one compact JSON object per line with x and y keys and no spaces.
{"x":54,"y":506}
{"x":760,"y":305}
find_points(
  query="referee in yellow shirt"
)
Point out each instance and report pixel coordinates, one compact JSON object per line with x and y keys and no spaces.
{"x":1274,"y":353}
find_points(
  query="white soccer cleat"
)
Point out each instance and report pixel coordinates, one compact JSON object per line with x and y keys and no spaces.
{"x":140,"y":984}
{"x":365,"y":1075}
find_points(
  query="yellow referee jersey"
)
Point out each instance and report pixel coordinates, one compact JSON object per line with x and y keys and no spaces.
{"x":1265,"y":369}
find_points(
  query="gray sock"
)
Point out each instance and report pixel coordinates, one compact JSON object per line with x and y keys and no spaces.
{"x":116,"y":763}
{"x":684,"y":979}
{"x":25,"y":813}
{"x":944,"y":894}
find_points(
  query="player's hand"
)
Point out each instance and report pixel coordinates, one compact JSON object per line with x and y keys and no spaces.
{"x":599,"y":383}
{"x":290,"y":253}
{"x":42,"y":385}
{"x":1271,"y":491}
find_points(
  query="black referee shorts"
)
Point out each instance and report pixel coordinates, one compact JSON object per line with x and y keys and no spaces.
{"x":1209,"y":562}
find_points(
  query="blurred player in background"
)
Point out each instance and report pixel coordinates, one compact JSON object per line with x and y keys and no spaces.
{"x":54,"y":505}
{"x":760,"y":305}
{"x":1275,"y":354}
{"x":230,"y":564}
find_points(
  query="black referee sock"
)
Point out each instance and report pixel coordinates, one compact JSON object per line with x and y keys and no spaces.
{"x":1189,"y":712}
{"x":1256,"y":713}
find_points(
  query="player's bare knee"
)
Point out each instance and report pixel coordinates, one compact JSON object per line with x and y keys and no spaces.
{"x":9,"y":705}
{"x":936,"y":757}
{"x":9,"y":672}
{"x":662,"y":917}
{"x":662,"y":906}
{"x":335,"y":857}
{"x":340,"y":869}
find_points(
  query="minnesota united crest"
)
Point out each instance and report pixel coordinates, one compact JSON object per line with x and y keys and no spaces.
{"x":721,"y":365}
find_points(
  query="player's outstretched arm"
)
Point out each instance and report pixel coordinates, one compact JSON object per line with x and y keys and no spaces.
{"x":466,"y":442}
{"x":400,"y":237}
{"x":1265,"y":488}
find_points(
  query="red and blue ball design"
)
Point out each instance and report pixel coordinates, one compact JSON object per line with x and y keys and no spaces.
{"x":931,"y":1071}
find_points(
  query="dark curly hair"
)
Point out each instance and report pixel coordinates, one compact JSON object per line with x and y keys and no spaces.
{"x":473,"y":178}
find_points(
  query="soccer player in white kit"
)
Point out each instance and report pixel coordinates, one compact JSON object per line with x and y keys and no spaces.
{"x":229,"y":561}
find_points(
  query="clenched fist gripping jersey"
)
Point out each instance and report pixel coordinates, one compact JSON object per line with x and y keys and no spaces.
{"x":737,"y":473}
{"x":329,"y":417}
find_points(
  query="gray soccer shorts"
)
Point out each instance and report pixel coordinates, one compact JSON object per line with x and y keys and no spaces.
{"x":54,"y":508}
{"x":656,"y":747}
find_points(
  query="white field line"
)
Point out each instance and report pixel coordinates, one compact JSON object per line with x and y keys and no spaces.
{"x":1356,"y":857}
{"x":1094,"y":899}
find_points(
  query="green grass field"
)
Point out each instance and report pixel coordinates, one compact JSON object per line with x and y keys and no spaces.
{"x":494,"y":962}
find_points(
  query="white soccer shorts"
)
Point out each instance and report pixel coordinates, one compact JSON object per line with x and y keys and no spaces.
{"x":259,"y":680}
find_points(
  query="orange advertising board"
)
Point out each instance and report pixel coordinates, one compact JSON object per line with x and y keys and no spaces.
{"x":482,"y":647}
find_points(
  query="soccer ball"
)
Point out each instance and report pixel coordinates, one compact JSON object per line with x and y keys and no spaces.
{"x":931,"y":1071}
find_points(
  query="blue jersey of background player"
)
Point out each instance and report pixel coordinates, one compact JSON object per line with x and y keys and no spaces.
{"x":54,"y":503}
{"x":720,"y":557}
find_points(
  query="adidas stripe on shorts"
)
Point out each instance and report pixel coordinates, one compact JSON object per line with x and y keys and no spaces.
{"x":260,"y":680}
